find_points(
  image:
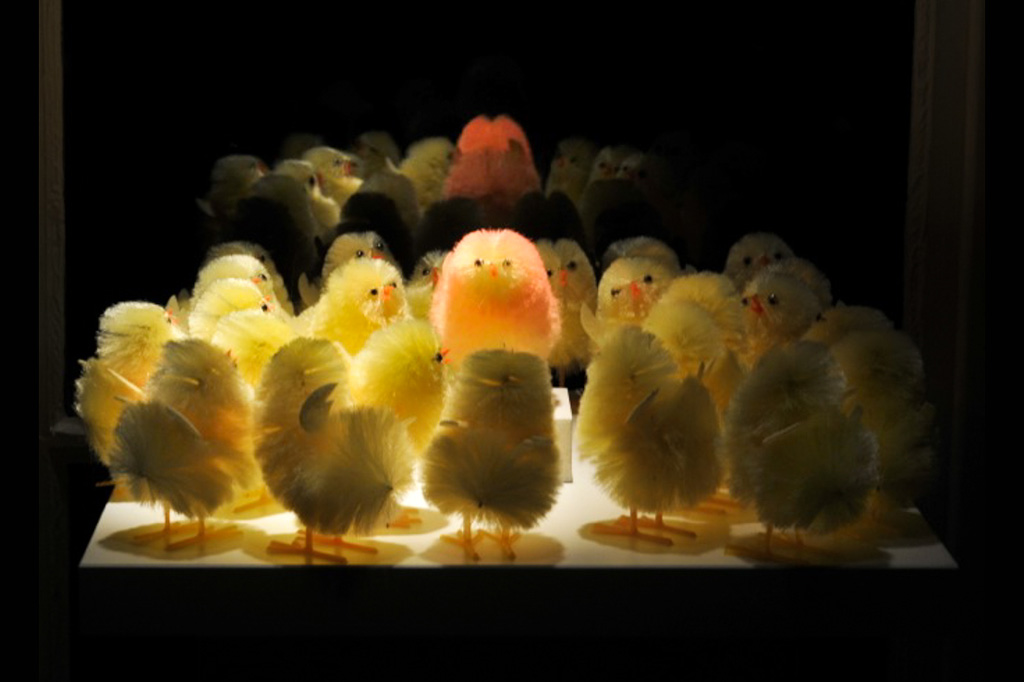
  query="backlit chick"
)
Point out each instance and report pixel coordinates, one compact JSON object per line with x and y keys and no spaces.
{"x":835,"y":323}
{"x":263,"y":256}
{"x":788,"y":385}
{"x":375,"y":148}
{"x":189,"y":446}
{"x":101,"y":394}
{"x":251,"y":337}
{"x":779,"y":308}
{"x":237,"y":266}
{"x":359,"y":298}
{"x":132,"y":336}
{"x":751,"y":254}
{"x":325,"y":209}
{"x":493,"y":165}
{"x":403,"y":367}
{"x":355,"y":245}
{"x":574,"y":285}
{"x":419,"y":289}
{"x":570,"y":169}
{"x":231,"y":179}
{"x":885,"y":370}
{"x":809,"y":274}
{"x":493,"y":458}
{"x":608,"y":160}
{"x":643,"y":247}
{"x":494,"y":293}
{"x":426,"y":165}
{"x":338,"y":172}
{"x":222,"y":297}
{"x":399,"y":189}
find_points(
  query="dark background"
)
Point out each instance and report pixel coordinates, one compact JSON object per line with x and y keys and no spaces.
{"x":812,"y":108}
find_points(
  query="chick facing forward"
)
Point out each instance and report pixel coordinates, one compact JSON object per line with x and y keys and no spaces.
{"x":752,"y":253}
{"x":574,"y":285}
{"x":629,"y":288}
{"x":494,"y":293}
{"x":359,"y":298}
{"x":779,"y":309}
{"x":570,"y":168}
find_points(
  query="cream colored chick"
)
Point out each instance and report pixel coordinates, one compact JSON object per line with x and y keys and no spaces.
{"x":251,"y":337}
{"x":885,"y":370}
{"x":835,"y":323}
{"x":779,"y":309}
{"x":236,"y":266}
{"x":629,"y":288}
{"x":359,"y":298}
{"x":570,"y":169}
{"x":337,"y":171}
{"x":375,"y":149}
{"x":502,"y":403}
{"x":426,"y":165}
{"x":403,"y":367}
{"x":189,"y":446}
{"x":788,"y":385}
{"x":693,"y":341}
{"x":574,"y":285}
{"x":809,"y":274}
{"x":642,"y":247}
{"x":325,"y":209}
{"x":608,"y":160}
{"x":222,"y":297}
{"x":263,"y":256}
{"x":129,"y":345}
{"x":231,"y":180}
{"x":355,"y":245}
{"x":340,"y":472}
{"x":751,"y":254}
{"x":479,"y":474}
{"x":395,"y":186}
{"x":419,"y":290}
{"x":816,"y":475}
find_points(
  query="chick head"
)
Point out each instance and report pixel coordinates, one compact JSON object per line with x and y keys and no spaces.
{"x":333,"y":164}
{"x":569,"y":270}
{"x":356,"y":245}
{"x":752,"y":253}
{"x":629,"y":287}
{"x":779,"y":308}
{"x":373,"y":286}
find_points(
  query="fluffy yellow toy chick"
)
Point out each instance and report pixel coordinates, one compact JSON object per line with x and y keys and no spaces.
{"x":251,"y":337}
{"x":643,"y":247}
{"x":375,"y":149}
{"x":354,"y":245}
{"x":337,"y":171}
{"x":222,"y":297}
{"x":570,"y":168}
{"x":835,"y":323}
{"x":779,"y":308}
{"x":629,"y":288}
{"x":574,"y":285}
{"x":403,"y":367}
{"x":325,"y":209}
{"x":263,"y":256}
{"x":231,"y":180}
{"x":359,"y":298}
{"x":751,"y":254}
{"x":419,"y":290}
{"x":426,"y":165}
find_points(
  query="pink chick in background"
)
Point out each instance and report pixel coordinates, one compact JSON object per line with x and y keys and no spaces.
{"x":494,"y":293}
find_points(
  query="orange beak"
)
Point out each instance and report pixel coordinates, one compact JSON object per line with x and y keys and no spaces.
{"x":764,"y":260}
{"x":635,"y":290}
{"x":385,"y":293}
{"x":494,"y":271}
{"x":444,"y":354}
{"x":563,"y":277}
{"x":755,"y":305}
{"x":435,"y":275}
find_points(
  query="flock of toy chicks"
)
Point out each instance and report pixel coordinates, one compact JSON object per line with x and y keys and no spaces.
{"x":315,"y":360}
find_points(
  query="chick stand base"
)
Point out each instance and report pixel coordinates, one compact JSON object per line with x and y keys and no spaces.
{"x":565,"y":578}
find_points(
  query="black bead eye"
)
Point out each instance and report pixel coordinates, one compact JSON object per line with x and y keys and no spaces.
{"x":393,"y":285}
{"x":773,"y":299}
{"x":360,"y":253}
{"x":745,"y":300}
{"x":425,"y":271}
{"x":312,"y":182}
{"x":550,"y":273}
{"x":747,"y":260}
{"x":264,"y":307}
{"x":373,"y":292}
{"x":571,"y":265}
{"x":778,"y":256}
{"x":438,"y":357}
{"x":648,"y":279}
{"x":379,"y":246}
{"x":478,"y":263}
{"x":641,"y":174}
{"x":507,"y":263}
{"x":263,"y":277}
{"x":616,"y":292}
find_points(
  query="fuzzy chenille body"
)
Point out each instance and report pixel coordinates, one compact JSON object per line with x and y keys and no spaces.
{"x":494,"y":293}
